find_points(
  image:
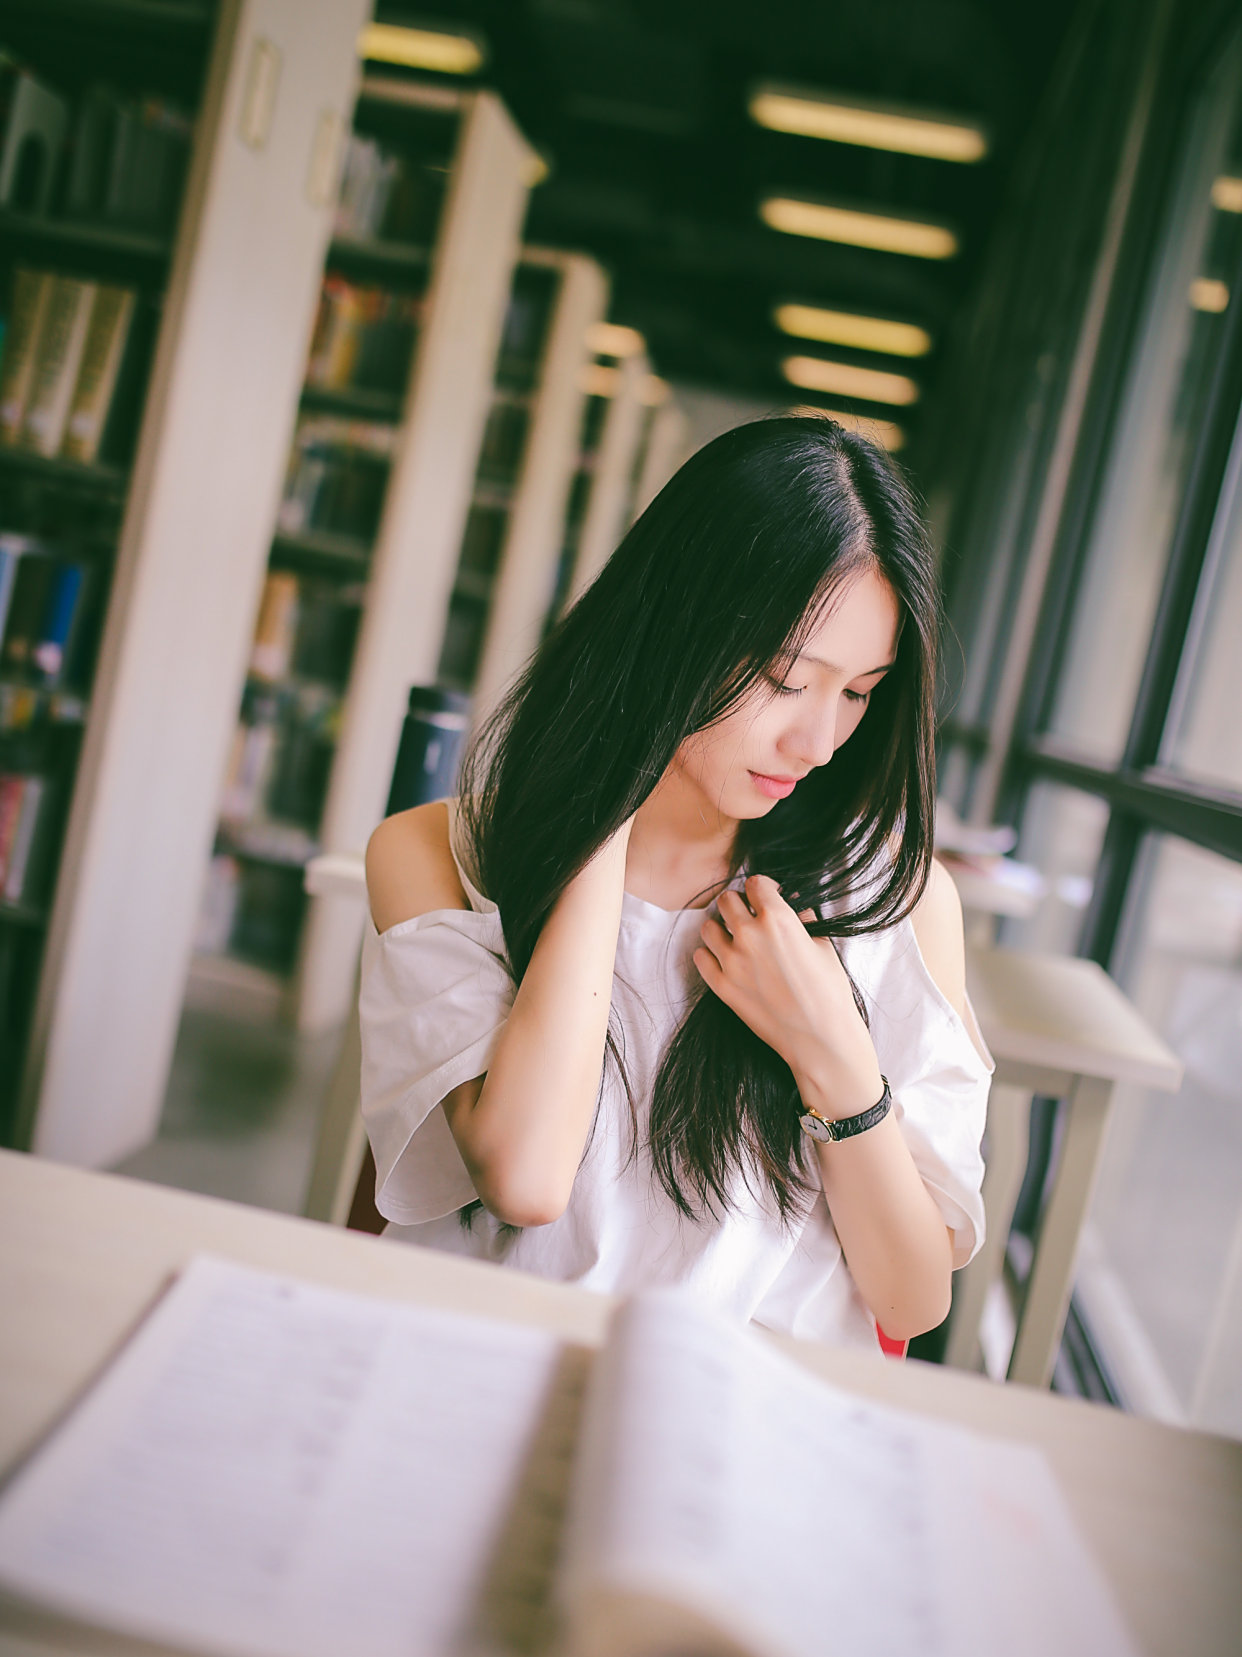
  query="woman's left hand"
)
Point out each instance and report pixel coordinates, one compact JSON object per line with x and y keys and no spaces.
{"x":793,"y":992}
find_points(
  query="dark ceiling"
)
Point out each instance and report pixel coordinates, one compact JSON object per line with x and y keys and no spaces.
{"x":640,"y":108}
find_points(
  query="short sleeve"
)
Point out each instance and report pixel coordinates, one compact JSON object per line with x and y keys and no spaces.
{"x":434,"y":997}
{"x":940,"y":1071}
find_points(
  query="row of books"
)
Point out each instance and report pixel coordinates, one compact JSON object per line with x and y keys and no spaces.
{"x":251,"y":908}
{"x":363,"y":337}
{"x":25,"y":837}
{"x":386,"y":196}
{"x":336,"y":477}
{"x":106,"y":158}
{"x":305,"y":629}
{"x":280,"y":758}
{"x":72,"y":367}
{"x":42,"y":607}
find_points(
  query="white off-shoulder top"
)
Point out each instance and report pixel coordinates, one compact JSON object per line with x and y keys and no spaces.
{"x":434,"y":998}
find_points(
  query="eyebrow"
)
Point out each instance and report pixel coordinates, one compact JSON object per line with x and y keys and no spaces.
{"x":833,"y":668}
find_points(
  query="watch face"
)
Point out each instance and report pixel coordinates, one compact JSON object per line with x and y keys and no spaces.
{"x":816,"y":1127}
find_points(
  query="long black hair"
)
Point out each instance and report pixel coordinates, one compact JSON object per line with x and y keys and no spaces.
{"x":722,"y":576}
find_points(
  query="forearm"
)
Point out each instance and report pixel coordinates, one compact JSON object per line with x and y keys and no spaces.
{"x":522,"y":1133}
{"x":892,"y":1235}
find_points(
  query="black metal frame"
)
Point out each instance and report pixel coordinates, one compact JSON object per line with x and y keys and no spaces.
{"x":1143,"y":795}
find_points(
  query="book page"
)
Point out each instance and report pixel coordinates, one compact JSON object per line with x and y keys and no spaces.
{"x":791,"y":1517}
{"x":271,"y":1467}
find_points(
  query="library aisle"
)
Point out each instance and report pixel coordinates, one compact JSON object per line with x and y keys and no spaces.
{"x":241,"y":1111}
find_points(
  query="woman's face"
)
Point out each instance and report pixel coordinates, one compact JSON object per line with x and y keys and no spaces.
{"x":788,"y":724}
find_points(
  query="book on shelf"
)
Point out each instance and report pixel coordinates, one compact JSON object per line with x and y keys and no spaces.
{"x":32,"y":290}
{"x":276,"y":628}
{"x":336,"y":476}
{"x":306,"y":627}
{"x":61,"y":343}
{"x":112,"y":317}
{"x":71,"y":372}
{"x":33,"y":122}
{"x":25,"y":838}
{"x":41,"y":609}
{"x":280,"y":1469}
{"x":127,"y":160}
{"x":218,"y":906}
{"x":363,"y":337}
{"x":249,"y":770}
{"x":385,"y":196}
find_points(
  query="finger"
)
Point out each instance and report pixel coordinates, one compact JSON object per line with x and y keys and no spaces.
{"x":763,"y":894}
{"x":807,"y":915}
{"x":734,"y":909}
{"x":709,"y":969}
{"x":715,"y":937}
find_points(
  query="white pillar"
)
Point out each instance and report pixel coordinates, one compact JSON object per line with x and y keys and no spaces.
{"x":667,"y":446}
{"x":191,"y":557}
{"x":528,"y":562}
{"x":606,"y":520}
{"x":428,"y":499}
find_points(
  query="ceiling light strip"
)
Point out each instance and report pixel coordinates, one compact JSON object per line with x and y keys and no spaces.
{"x":447,"y":54}
{"x":865,"y":333}
{"x":916,"y":237}
{"x":847,"y":379}
{"x":872,"y":127}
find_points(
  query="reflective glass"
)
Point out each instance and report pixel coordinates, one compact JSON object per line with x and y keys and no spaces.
{"x":1204,"y":738}
{"x":1161,"y":415}
{"x":1061,"y":833}
{"x":1160,"y":1275}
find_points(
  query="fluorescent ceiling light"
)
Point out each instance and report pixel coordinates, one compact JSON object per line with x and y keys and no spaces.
{"x":420,"y":49}
{"x":866,"y":333}
{"x":847,"y":224}
{"x":885,"y":432}
{"x":1227,"y":194}
{"x":846,"y":379}
{"x":1207,"y":294}
{"x":612,"y":339}
{"x":874,"y":126}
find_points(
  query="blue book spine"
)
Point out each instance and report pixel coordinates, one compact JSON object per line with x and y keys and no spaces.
{"x":8,"y":575}
{"x":62,"y":604}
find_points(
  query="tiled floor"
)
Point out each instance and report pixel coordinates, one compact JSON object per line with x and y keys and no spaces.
{"x":241,"y":1112}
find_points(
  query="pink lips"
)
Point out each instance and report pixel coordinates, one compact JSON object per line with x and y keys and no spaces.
{"x":776,"y":788}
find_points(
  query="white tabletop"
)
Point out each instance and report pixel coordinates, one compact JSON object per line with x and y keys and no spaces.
{"x":1066,"y":1014}
{"x":83,"y":1255}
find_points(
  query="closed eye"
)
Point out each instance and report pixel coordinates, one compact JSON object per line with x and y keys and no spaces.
{"x":863,"y":696}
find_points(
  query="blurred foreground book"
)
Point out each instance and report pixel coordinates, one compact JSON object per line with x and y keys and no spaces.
{"x":274,"y":1467}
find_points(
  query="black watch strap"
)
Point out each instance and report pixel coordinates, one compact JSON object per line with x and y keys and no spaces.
{"x":824,"y":1129}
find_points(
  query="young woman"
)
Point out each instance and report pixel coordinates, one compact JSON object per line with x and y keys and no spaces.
{"x":675,"y":993}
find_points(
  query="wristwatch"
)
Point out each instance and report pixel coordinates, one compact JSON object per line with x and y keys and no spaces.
{"x":824,"y":1129}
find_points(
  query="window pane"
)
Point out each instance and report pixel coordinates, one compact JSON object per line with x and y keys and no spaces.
{"x":1061,"y":834}
{"x":1161,"y":415}
{"x":1160,"y":1279}
{"x":1204,"y":739}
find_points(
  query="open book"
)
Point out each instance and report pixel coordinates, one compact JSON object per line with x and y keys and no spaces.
{"x":275,"y":1469}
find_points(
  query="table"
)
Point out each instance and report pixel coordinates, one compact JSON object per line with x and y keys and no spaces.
{"x":82,"y":1256}
{"x":1058,"y":1027}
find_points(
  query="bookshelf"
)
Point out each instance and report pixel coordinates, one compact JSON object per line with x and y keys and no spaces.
{"x":502,"y":569}
{"x":221,"y":242}
{"x":425,"y":230}
{"x":61,"y":498}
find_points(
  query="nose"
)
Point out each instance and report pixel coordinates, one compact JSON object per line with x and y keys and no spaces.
{"x":815,"y":739}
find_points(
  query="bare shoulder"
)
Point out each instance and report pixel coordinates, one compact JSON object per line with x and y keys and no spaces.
{"x":937,"y":922}
{"x":410,"y":867}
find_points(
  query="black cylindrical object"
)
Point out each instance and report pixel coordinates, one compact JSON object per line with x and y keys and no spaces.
{"x":430,"y":747}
